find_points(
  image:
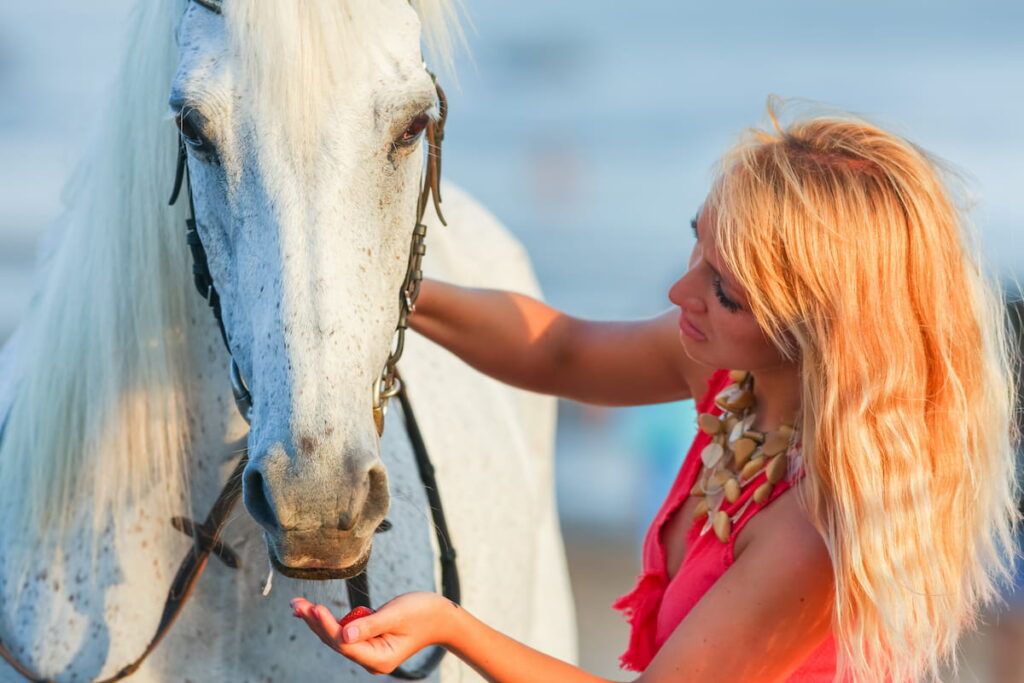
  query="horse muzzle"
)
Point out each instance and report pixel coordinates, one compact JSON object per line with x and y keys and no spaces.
{"x":318,"y":513}
{"x":315,"y":556}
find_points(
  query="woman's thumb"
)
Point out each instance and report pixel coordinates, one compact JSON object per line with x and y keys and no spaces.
{"x":361,"y":624}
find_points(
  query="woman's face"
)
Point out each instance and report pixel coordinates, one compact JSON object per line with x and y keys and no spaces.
{"x":716,"y":326}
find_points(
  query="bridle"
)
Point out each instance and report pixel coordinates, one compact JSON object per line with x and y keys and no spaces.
{"x":206,"y":534}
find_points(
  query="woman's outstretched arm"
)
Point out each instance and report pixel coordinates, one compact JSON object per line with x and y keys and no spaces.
{"x":526,"y":343}
{"x":758,"y":622}
{"x":380,"y":642}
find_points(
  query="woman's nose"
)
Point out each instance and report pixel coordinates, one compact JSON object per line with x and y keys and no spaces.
{"x":673,"y":293}
{"x":682,"y":294}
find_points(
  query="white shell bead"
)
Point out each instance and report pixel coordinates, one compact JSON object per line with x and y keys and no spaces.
{"x":737,"y":432}
{"x":711,"y":454}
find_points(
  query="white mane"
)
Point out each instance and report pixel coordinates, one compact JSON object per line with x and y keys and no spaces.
{"x":99,"y":416}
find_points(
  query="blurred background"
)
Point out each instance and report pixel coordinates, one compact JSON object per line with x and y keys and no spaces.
{"x":590,"y":129}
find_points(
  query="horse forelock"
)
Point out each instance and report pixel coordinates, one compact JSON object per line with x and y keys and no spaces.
{"x":294,"y":63}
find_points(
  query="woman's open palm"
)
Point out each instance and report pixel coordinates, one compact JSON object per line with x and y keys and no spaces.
{"x":381,"y":641}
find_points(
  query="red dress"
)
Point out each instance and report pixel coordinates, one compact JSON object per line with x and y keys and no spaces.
{"x":657,"y":605}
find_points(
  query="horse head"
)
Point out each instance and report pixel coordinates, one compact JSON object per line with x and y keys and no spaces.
{"x":305,"y":156}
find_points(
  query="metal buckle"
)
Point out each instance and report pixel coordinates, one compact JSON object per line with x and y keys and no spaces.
{"x":393,"y":390}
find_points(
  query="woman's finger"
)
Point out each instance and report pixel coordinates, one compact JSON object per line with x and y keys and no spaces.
{"x":377,"y":641}
{"x":315,"y":620}
{"x":300,"y":602}
{"x":314,"y":616}
{"x":299,"y":606}
{"x":327,"y":624}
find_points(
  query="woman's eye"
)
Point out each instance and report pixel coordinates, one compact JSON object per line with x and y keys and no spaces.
{"x":726,"y":302}
{"x":413,"y":132}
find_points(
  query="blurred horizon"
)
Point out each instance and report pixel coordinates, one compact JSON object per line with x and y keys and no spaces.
{"x":590,"y":129}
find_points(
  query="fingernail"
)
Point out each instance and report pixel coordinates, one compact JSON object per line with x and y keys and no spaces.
{"x":351,"y":633}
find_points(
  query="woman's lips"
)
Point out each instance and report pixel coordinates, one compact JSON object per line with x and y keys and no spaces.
{"x":689,"y":330}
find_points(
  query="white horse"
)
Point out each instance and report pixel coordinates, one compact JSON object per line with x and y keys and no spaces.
{"x":302,"y":120}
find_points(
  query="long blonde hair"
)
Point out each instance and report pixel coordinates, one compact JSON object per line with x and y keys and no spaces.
{"x":856,"y":260}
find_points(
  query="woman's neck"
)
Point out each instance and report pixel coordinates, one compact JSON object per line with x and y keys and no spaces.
{"x":777,"y":392}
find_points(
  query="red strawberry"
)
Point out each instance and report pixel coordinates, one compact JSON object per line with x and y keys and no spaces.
{"x":357,"y":613}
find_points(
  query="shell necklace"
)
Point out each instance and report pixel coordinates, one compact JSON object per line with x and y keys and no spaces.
{"x":737,"y":454}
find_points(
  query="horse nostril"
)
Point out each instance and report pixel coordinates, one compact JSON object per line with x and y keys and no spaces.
{"x":347,"y":520}
{"x":256,"y":500}
{"x":378,"y":484}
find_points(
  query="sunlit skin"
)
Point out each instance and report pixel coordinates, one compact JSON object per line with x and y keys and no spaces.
{"x":626,"y":363}
{"x":712,"y":301}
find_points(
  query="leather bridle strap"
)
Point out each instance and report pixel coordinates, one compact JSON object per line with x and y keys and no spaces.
{"x":358,"y":586}
{"x":206,"y":536}
{"x":202,"y":278}
{"x":389,"y":383}
{"x":206,"y":540}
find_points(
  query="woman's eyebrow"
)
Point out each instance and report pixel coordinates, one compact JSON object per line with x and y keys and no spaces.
{"x":726,"y":280}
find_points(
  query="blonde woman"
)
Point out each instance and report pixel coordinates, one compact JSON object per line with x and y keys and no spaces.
{"x":847,"y":509}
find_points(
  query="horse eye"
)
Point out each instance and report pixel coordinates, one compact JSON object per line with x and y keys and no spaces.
{"x":191,"y":123}
{"x":412,"y":133}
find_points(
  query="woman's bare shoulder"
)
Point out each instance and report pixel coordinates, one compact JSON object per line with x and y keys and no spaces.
{"x":780,"y":585}
{"x":784,"y":524}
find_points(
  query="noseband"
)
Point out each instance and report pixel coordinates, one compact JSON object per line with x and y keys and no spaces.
{"x":206,"y":534}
